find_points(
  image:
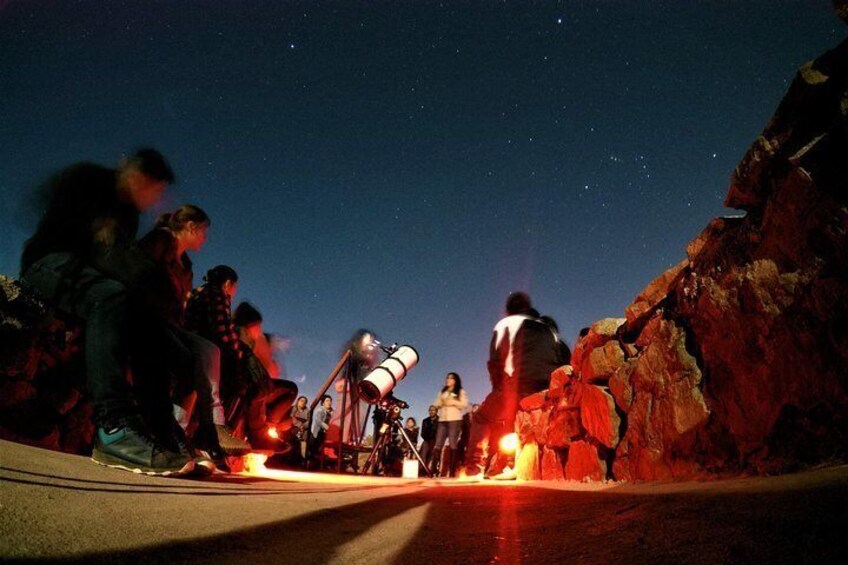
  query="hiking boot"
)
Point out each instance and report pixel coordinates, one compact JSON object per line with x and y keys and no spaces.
{"x":230,"y":444}
{"x":130,"y":447}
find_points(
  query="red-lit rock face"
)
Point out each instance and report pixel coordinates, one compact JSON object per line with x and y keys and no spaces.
{"x":736,"y":359}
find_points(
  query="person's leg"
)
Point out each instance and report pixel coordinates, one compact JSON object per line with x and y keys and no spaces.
{"x":481,"y":425}
{"x":426,"y":449}
{"x":212,"y":434}
{"x":122,"y":439}
{"x":101,"y":303}
{"x":441,"y":437}
{"x":453,"y":437}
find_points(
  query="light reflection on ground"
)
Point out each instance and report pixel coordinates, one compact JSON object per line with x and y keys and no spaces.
{"x":255,"y":467}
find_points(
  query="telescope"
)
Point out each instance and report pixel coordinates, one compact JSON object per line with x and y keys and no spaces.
{"x":388,"y":374}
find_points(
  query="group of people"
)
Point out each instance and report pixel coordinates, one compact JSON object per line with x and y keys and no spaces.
{"x":179,"y":380}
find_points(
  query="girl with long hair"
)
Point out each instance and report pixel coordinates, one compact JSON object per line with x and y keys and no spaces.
{"x":451,"y":401}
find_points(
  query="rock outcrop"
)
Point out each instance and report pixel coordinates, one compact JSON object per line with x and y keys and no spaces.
{"x":43,"y":398}
{"x":736,"y":359}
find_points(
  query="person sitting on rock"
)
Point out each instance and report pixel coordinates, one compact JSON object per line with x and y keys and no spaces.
{"x":522,"y":355}
{"x":84,"y":260}
{"x":187,"y":353}
{"x":269,"y":397}
{"x":208,"y":314}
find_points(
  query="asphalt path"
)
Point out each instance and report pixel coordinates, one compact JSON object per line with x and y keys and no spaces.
{"x":56,"y":507}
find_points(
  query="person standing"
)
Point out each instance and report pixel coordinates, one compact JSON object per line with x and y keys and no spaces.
{"x":320,"y":424}
{"x":428,"y":435}
{"x":84,"y":260}
{"x":451,"y":401}
{"x":522,"y":355}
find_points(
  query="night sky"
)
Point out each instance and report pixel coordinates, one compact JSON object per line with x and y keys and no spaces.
{"x":403,"y":166}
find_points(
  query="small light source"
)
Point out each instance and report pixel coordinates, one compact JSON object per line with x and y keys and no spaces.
{"x":272,"y":433}
{"x":254,"y":463}
{"x":410,"y":468}
{"x":508,"y":443}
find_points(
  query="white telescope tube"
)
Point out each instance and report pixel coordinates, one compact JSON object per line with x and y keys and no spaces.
{"x":388,"y":374}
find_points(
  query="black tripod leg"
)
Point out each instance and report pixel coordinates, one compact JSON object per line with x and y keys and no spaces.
{"x":375,"y":451}
{"x":412,"y":447}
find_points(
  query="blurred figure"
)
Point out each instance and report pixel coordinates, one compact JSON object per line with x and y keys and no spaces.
{"x":522,"y":355}
{"x":364,"y":357}
{"x":269,"y":398}
{"x":451,"y":401}
{"x":564,"y":350}
{"x":84,"y":260}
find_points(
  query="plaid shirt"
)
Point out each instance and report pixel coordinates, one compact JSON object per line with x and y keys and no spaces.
{"x":208,"y":315}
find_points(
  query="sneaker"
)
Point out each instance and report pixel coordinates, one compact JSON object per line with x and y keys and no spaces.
{"x":131,"y":448}
{"x":230,"y":444}
{"x":470,"y":474}
{"x":203,"y":463}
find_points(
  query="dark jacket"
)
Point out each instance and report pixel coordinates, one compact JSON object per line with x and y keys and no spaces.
{"x":169,"y":292}
{"x":523,"y":353}
{"x":85,"y":217}
{"x":428,"y":428}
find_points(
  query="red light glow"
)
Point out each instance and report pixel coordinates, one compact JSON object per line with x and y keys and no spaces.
{"x":508,"y":443}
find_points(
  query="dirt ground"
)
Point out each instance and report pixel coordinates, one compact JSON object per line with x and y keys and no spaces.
{"x":60,"y":508}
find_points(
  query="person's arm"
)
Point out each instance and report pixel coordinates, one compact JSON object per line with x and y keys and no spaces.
{"x":115,"y":256}
{"x":222,"y":325}
{"x":462,"y":401}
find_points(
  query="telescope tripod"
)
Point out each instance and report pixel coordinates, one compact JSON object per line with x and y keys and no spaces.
{"x":381,"y":446}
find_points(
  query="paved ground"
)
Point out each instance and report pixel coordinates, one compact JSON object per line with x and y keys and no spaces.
{"x":59,"y":507}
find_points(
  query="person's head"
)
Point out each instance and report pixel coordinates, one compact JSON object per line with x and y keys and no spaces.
{"x":327,"y":401}
{"x":363,"y":347}
{"x":410,"y":423}
{"x":248,"y":317}
{"x":143,"y":177}
{"x":453,"y":383}
{"x":223,"y":277}
{"x":432,"y":411}
{"x":475,"y":407}
{"x":301,"y":402}
{"x":518,"y":303}
{"x":188,"y":223}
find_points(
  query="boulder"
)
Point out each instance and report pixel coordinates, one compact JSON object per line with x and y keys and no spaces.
{"x":598,"y":416}
{"x":552,"y":466}
{"x":584,"y":463}
{"x":599,"y":333}
{"x":602,"y":362}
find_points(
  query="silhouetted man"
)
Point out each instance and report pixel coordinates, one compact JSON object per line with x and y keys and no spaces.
{"x":83,"y":259}
{"x":522,"y":355}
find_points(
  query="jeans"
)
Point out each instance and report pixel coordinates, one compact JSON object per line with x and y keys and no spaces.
{"x":81,"y":291}
{"x":198,"y":377}
{"x":448,"y":430}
